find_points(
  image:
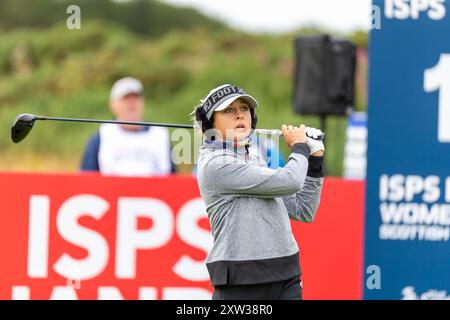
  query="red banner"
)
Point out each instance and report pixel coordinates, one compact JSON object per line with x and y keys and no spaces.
{"x":84,"y":236}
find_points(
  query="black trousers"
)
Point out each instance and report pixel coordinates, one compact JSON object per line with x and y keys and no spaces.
{"x":283,"y":290}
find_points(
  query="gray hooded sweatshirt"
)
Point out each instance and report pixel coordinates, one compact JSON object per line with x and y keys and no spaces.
{"x":249,"y":206}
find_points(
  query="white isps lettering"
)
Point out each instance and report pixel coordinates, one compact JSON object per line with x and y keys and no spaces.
{"x":187,"y":227}
{"x":412,"y":9}
{"x":400,"y":187}
{"x":129,"y":238}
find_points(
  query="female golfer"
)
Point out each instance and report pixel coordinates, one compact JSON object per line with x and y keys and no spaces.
{"x":255,"y":255}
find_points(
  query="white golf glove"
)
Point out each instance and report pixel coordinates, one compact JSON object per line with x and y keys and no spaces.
{"x":313,"y":144}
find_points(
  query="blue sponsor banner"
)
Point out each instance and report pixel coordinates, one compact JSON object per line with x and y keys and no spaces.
{"x":407,"y":225}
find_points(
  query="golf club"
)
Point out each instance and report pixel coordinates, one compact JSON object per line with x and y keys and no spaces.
{"x":24,"y":122}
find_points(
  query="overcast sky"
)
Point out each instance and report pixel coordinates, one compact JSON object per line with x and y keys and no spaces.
{"x":277,"y":16}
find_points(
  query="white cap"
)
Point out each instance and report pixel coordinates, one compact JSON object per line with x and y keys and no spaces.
{"x":125,"y":86}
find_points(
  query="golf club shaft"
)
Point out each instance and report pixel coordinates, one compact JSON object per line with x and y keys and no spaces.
{"x":271,"y":132}
{"x":155,"y":124}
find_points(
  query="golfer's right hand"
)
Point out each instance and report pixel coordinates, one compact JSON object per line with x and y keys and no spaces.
{"x":294,"y":135}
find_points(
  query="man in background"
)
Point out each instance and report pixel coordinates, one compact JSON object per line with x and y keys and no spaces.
{"x":128,"y":150}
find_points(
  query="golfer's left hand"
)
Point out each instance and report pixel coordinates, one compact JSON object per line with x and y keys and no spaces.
{"x":316,"y":146}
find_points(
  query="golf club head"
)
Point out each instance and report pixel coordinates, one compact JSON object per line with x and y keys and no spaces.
{"x":22,"y":126}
